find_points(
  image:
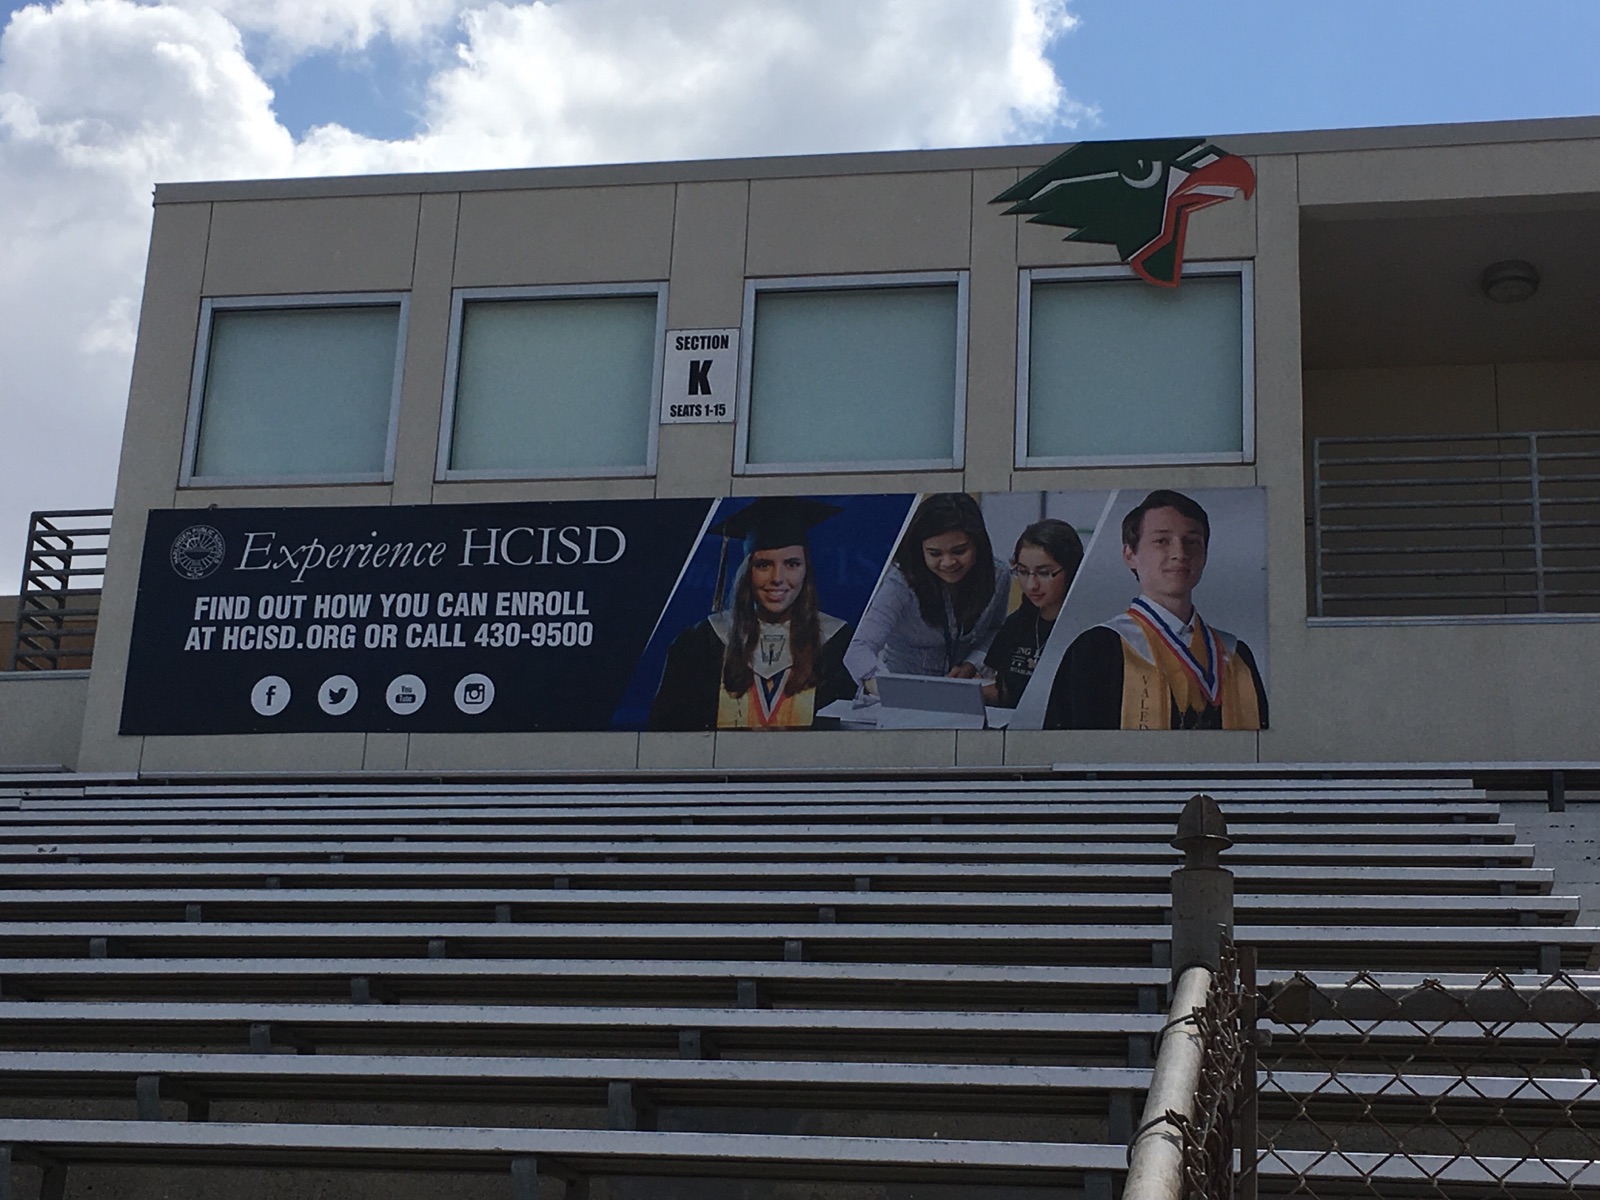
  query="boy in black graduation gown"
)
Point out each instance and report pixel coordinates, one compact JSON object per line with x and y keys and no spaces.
{"x":1159,"y":665}
{"x":772,"y":659}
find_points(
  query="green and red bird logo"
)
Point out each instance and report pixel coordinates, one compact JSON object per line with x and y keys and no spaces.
{"x":1136,"y":196}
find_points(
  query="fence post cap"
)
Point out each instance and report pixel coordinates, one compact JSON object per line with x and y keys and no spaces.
{"x":1202,"y":832}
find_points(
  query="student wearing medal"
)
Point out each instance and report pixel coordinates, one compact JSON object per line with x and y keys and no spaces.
{"x":1159,"y":665}
{"x":770,"y":659}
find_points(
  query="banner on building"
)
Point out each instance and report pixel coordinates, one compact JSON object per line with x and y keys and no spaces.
{"x":859,"y":612}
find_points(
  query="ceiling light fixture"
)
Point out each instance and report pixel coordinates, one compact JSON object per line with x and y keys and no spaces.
{"x":1509,"y":282}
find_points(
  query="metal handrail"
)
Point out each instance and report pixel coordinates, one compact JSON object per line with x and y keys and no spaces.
{"x":1184,"y":1144}
{"x":63,"y":565}
{"x":1359,"y":513}
{"x":1450,"y":439}
{"x":1155,"y":1160}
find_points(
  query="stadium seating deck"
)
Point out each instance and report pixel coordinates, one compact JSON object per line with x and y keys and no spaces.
{"x":839,"y":983}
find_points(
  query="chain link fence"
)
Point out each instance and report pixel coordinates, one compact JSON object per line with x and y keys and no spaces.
{"x":1209,"y":1134}
{"x":1381,"y":1086}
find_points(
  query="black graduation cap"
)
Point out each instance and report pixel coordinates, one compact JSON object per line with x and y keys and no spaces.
{"x":773,"y":521}
{"x":766,"y":524}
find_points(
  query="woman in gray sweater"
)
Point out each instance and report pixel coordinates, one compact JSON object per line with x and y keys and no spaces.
{"x":940,"y":603}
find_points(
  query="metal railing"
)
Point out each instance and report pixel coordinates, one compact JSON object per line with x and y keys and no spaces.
{"x":1376,"y":1086}
{"x":1380,"y":1088}
{"x":58,"y":604}
{"x":1185,"y":1144}
{"x":1456,"y":525}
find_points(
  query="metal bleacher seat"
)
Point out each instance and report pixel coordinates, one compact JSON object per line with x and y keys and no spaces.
{"x":846,"y":983}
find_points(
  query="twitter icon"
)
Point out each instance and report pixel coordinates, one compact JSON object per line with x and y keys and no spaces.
{"x":337,"y":695}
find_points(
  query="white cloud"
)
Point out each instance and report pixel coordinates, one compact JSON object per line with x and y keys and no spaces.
{"x":100,"y":99}
{"x":621,"y":80}
{"x":113,"y":89}
{"x":297,"y":26}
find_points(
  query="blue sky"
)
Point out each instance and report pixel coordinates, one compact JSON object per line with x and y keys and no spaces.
{"x":1245,"y":66}
{"x":100,"y":99}
{"x":1161,"y":67}
{"x":377,"y":92}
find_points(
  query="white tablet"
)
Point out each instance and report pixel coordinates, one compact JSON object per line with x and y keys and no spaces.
{"x":931,"y":693}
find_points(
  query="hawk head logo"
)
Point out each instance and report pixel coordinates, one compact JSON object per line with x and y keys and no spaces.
{"x":1136,"y":196}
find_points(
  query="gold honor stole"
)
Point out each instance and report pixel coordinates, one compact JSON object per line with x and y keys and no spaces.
{"x":1159,"y":673}
{"x":764,"y":706}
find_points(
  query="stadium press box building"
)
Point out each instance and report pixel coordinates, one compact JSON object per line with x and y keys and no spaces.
{"x":1278,"y":448}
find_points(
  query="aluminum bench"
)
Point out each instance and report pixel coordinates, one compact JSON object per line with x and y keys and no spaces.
{"x":576,"y":1154}
{"x":842,"y":846}
{"x":1398,"y":1097}
{"x":145,"y":1079}
{"x":1151,"y":811}
{"x":749,"y":984}
{"x":1366,"y":1174}
{"x":1311,"y":879}
{"x":691,"y":1032}
{"x":529,"y":905}
{"x":1291,"y":947}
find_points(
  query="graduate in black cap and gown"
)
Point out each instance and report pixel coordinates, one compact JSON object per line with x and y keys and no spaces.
{"x":770,"y":659}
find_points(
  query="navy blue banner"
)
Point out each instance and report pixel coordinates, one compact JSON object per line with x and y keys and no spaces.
{"x":442,"y":618}
{"x":1019,"y":610}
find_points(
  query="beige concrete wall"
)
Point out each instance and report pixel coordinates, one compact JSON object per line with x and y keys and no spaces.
{"x":1485,"y":398}
{"x":41,"y":717}
{"x":705,"y":232}
{"x":152,"y":446}
{"x":1443,"y":174}
{"x":1436,"y":693}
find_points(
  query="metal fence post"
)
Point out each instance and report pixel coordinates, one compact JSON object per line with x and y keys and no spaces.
{"x":1316,"y":527}
{"x":1202,"y":889}
{"x":1202,"y":918}
{"x":1536,"y":505}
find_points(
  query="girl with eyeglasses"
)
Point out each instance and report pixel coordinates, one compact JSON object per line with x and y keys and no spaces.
{"x":1047,"y":557}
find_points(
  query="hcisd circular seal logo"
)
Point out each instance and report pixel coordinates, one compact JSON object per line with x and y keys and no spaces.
{"x":197,"y":551}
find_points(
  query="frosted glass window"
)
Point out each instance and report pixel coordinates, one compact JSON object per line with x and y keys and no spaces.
{"x":846,"y":375}
{"x":561,"y":384}
{"x":1121,"y":368}
{"x":298,"y":392}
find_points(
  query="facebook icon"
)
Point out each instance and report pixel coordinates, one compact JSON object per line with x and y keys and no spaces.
{"x":270,"y":696}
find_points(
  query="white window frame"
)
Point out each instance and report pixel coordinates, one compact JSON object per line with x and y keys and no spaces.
{"x":1242,"y":268}
{"x":805,"y":283}
{"x":187,"y":477}
{"x":461,"y":297}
